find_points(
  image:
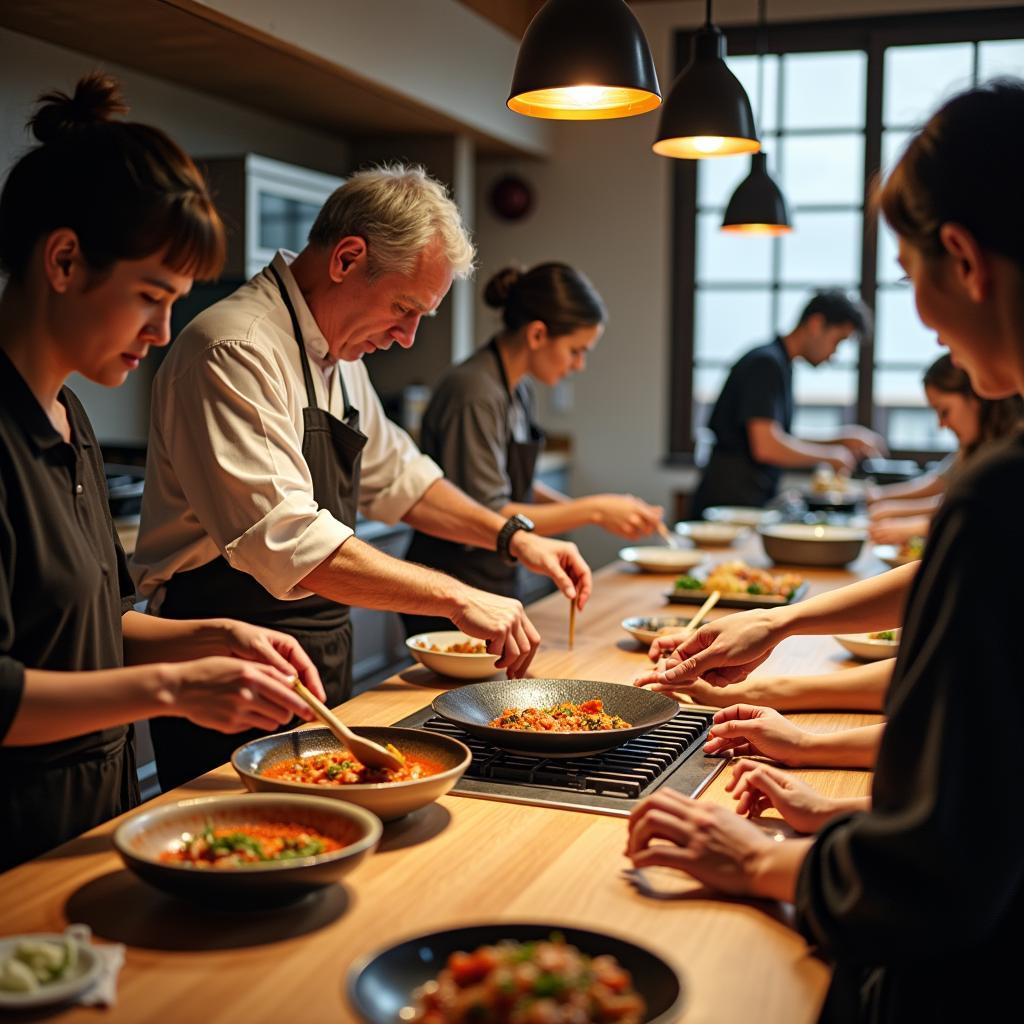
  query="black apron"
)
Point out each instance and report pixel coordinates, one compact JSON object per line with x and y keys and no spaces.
{"x":333,"y":451}
{"x":486,"y":570}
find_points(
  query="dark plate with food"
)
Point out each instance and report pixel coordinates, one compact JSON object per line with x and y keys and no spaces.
{"x":505,"y":967}
{"x":741,"y":586}
{"x":313,"y":761}
{"x":256,"y":850}
{"x":555,"y":717}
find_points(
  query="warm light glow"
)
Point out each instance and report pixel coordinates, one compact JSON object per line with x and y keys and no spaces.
{"x":584,"y":102}
{"x":700,"y":147}
{"x":757,"y":229}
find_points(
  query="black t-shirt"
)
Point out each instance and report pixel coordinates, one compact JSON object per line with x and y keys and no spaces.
{"x":759,"y":386}
{"x":64,"y":584}
{"x":920,"y":900}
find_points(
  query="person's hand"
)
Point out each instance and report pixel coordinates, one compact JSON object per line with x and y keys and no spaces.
{"x":720,"y":652}
{"x":279,"y":650}
{"x":863,"y":443}
{"x":707,"y":841}
{"x":625,"y":515}
{"x":502,"y":623}
{"x":699,"y":690}
{"x":231,"y":694}
{"x":756,"y":787}
{"x":894,"y":531}
{"x":841,"y":458}
{"x":751,"y":731}
{"x":558,"y":559}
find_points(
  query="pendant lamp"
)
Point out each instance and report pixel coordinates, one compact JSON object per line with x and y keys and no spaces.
{"x":583,"y":60}
{"x":706,"y":113}
{"x":758,"y":207}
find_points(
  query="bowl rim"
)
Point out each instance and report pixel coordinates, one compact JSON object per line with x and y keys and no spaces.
{"x":360,"y":964}
{"x":410,"y":642}
{"x":630,"y":624}
{"x":863,"y":638}
{"x":373,"y":830}
{"x":363,"y":787}
{"x":691,"y":556}
{"x":850,"y":534}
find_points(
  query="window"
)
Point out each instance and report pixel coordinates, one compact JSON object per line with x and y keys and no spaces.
{"x":833,"y":105}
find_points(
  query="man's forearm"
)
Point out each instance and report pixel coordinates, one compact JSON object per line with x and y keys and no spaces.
{"x":771,"y":445}
{"x":554,"y":518}
{"x":447,"y":512}
{"x":358,"y":574}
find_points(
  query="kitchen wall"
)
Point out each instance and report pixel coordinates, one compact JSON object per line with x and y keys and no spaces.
{"x":603,"y":205}
{"x":201,"y":124}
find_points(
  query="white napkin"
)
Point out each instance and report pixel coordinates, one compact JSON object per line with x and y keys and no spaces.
{"x":103,"y":992}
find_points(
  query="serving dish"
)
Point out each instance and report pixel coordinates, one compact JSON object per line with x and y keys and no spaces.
{"x":143,"y":837}
{"x":808,"y":544}
{"x":711,"y":535}
{"x":647,"y":628}
{"x":381,"y":986}
{"x":863,"y":647}
{"x":77,"y":978}
{"x":387,"y":800}
{"x":456,"y":666}
{"x":662,"y":559}
{"x":473,"y":707}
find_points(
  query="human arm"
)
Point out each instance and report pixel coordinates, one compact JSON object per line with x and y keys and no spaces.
{"x":728,"y":649}
{"x":861,"y":688}
{"x":773,"y":446}
{"x":897,"y":531}
{"x":620,"y":514}
{"x":745,"y":730}
{"x":922,"y":506}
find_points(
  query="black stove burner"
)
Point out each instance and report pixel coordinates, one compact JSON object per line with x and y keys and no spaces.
{"x":608,"y":783}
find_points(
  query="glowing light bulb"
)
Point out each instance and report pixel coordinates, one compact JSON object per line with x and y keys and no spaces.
{"x":707,"y":143}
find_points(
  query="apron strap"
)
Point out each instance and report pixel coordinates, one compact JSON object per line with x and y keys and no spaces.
{"x":307,"y":374}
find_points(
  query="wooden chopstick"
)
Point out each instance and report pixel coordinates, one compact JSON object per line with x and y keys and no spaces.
{"x":694,"y":623}
{"x":572,"y":623}
{"x":667,"y":536}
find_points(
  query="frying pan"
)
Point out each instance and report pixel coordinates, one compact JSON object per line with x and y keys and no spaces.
{"x":473,"y":707}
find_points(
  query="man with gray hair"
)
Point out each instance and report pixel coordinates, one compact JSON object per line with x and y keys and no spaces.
{"x":267,"y":438}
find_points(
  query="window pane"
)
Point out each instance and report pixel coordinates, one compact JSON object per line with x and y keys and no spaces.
{"x":729,"y":257}
{"x":823,"y":248}
{"x":825,"y":384}
{"x":764,"y":104}
{"x":717,"y":179}
{"x":823,"y":169}
{"x":900,"y":337}
{"x":917,"y":430}
{"x":730,"y":322}
{"x":892,"y":148}
{"x":815,"y":421}
{"x":1001,"y":57}
{"x":708,"y":382}
{"x":919,"y":78}
{"x":824,"y":90}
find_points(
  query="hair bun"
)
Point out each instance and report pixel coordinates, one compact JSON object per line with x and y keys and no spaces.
{"x":500,"y":286}
{"x":97,"y":99}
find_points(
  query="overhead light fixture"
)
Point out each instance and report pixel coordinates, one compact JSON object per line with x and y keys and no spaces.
{"x":758,"y":207}
{"x":706,"y":113}
{"x":584,"y":60}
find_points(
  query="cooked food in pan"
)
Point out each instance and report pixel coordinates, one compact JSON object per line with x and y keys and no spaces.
{"x":523,"y":982}
{"x":341,"y":767}
{"x":470,"y":647}
{"x":590,"y":716}
{"x":740,"y":578}
{"x":240,"y":846}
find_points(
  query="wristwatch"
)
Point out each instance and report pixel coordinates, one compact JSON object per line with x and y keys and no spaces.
{"x":512,"y":525}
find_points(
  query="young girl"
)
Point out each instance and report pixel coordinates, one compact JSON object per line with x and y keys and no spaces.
{"x":102,"y":226}
{"x":918,"y":898}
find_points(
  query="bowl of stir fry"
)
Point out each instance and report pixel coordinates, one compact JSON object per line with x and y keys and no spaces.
{"x":555,"y":717}
{"x":263,"y":850}
{"x":313,"y":761}
{"x":507,"y":973}
{"x":453,"y":654}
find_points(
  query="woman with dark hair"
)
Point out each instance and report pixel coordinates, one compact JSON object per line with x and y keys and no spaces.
{"x":102,"y":226}
{"x":973,"y":420}
{"x":479,"y":426}
{"x":918,"y":896}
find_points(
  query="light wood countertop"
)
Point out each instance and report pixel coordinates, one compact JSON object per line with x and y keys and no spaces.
{"x":457,"y":862}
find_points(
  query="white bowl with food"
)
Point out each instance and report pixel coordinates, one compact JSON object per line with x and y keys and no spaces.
{"x":871,"y":646}
{"x":645,"y":629}
{"x":896,"y":555}
{"x":46,"y":969}
{"x":660,"y":559}
{"x":453,"y":654}
{"x":740,"y":515}
{"x":711,"y":535}
{"x":812,"y":543}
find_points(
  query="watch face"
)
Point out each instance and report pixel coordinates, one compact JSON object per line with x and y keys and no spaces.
{"x":523,"y":521}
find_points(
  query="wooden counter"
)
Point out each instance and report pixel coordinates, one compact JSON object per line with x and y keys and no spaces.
{"x":460,"y":861}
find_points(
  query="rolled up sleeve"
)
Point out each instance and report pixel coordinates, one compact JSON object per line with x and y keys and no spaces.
{"x":238,"y":457}
{"x":12,"y":671}
{"x":395,"y":474}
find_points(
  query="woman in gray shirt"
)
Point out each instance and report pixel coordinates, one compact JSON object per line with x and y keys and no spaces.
{"x":480,"y":428}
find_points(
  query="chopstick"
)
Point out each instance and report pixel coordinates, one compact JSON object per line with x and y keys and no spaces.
{"x":572,"y":623}
{"x":692,"y":625}
{"x":670,"y":539}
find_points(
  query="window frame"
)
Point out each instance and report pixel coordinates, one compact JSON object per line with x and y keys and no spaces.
{"x":873,"y":36}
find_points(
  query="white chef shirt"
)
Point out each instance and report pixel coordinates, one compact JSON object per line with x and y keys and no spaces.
{"x":225,"y":473}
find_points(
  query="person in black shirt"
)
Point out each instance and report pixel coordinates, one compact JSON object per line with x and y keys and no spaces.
{"x":918,"y":898}
{"x":753,"y":417}
{"x":102,"y":227}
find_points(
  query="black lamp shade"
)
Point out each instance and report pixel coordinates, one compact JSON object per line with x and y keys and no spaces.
{"x":584,"y":60}
{"x":706,"y":112}
{"x":758,"y":206}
